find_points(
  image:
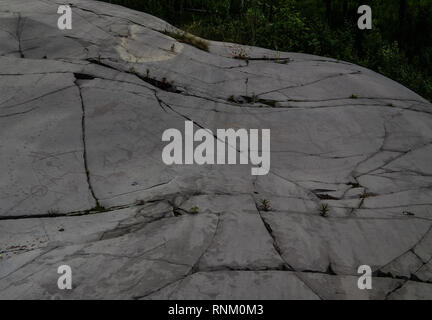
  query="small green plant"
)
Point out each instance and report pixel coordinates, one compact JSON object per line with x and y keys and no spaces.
{"x":140,"y":202}
{"x":231,"y":98}
{"x":324,"y":210}
{"x":408,"y":213}
{"x":354,"y":185}
{"x":132,"y":70}
{"x":98,"y":208}
{"x":53,"y":212}
{"x":366,"y":195}
{"x":265,"y":205}
{"x":148,"y":73}
{"x":254,"y":98}
{"x":177,"y":212}
{"x":194,"y":210}
{"x":173,"y":47}
{"x":353,"y":96}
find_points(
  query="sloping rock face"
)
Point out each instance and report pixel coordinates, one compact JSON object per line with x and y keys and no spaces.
{"x":82,"y":113}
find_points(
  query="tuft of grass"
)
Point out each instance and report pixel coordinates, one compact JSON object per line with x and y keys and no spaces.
{"x":140,"y":202}
{"x":366,"y":195}
{"x":194,"y":210}
{"x":254,"y":98}
{"x":53,"y":212}
{"x":265,"y":205}
{"x":324,"y":210}
{"x":353,"y":96}
{"x":177,"y":212}
{"x":408,"y":213}
{"x":188,"y":38}
{"x":98,"y":209}
{"x":354,"y":185}
{"x":132,"y":70}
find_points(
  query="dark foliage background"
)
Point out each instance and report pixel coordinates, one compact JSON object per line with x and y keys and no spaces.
{"x":399,"y":45}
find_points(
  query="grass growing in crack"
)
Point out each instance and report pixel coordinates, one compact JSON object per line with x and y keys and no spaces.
{"x":354,"y":185}
{"x":140,"y":202}
{"x":188,"y":38}
{"x":408,"y":213}
{"x":162,"y":84}
{"x":324,"y":210}
{"x":97,"y":209}
{"x":177,"y":212}
{"x":194,"y":210}
{"x":254,"y":98}
{"x":53,"y":212}
{"x":366,"y":195}
{"x":232,"y":99}
{"x":265,"y":205}
{"x":326,"y":197}
{"x":353,"y":96}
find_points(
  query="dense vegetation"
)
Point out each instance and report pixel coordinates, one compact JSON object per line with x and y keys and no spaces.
{"x":399,"y":45}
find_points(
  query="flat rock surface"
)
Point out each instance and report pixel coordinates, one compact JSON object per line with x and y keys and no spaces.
{"x":82,"y":113}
